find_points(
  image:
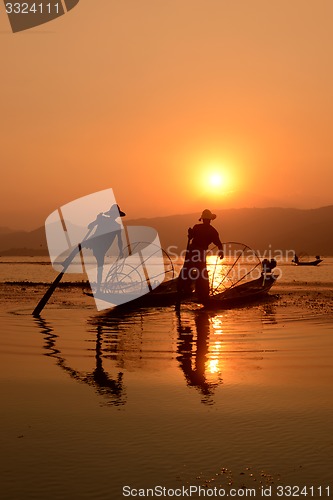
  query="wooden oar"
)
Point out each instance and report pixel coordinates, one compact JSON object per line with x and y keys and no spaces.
{"x":44,"y":300}
{"x":180,"y":279}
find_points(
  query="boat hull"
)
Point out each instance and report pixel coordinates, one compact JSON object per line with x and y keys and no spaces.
{"x":242,"y":294}
{"x":311,"y":263}
{"x":166,"y":294}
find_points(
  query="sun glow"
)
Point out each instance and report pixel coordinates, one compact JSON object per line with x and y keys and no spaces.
{"x":216,"y":181}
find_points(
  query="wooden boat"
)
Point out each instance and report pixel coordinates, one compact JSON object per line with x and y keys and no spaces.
{"x":308,"y":263}
{"x":166,"y":294}
{"x":233,"y":286}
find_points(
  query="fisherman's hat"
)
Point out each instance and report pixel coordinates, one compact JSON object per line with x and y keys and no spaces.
{"x":115,"y":211}
{"x":207,"y":214}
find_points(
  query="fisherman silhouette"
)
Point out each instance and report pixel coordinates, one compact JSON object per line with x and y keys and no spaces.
{"x":107,"y":230}
{"x":194,"y":269}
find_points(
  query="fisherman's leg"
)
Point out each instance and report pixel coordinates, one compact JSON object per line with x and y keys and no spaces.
{"x":100,"y":266}
{"x":202,"y":285}
{"x":186,"y":276}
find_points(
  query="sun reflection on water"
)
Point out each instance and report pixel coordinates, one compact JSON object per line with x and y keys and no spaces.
{"x":214,"y":364}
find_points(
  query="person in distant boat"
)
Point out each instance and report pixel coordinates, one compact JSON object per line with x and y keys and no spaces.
{"x":295,"y":259}
{"x":107,"y":230}
{"x":200,"y":236}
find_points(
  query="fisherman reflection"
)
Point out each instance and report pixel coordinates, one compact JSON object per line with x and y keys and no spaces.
{"x":193,"y":356}
{"x":105,"y":384}
{"x":106,"y":232}
{"x":111,"y":388}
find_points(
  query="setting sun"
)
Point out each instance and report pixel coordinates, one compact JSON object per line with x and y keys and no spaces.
{"x":215,"y":180}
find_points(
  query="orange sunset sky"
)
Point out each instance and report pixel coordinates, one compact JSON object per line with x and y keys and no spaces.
{"x":153,"y":97}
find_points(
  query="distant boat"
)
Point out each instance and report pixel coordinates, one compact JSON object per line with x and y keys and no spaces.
{"x":298,"y":262}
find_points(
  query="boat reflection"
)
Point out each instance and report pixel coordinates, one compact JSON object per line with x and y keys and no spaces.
{"x":111,"y":388}
{"x":211,"y":348}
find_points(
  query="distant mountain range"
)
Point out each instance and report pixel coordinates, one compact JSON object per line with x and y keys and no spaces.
{"x":263,"y":229}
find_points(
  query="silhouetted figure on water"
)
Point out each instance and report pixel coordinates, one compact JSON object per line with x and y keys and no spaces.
{"x":194,"y":270}
{"x":108,"y":229}
{"x":295,"y":259}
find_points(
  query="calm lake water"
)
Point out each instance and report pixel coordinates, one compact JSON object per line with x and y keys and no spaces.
{"x":92,"y":402}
